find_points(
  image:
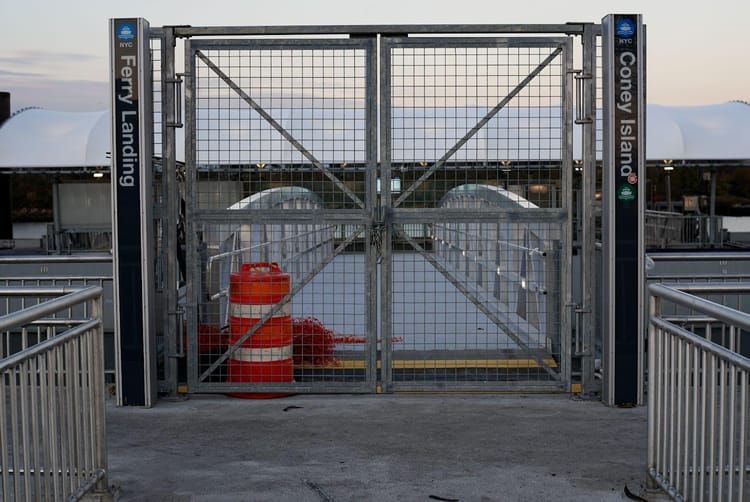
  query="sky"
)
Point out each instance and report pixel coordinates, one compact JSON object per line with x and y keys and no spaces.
{"x":54,"y":54}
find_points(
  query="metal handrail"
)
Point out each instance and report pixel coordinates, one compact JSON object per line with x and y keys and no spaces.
{"x":710,"y":287}
{"x":73,"y":296}
{"x":717,"y":311}
{"x":235,"y":252}
{"x":704,"y":345}
{"x":43,"y":347}
{"x":698,"y":398}
{"x":52,"y":422}
{"x":81,"y":258}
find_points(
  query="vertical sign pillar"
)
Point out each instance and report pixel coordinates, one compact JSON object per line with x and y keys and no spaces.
{"x":132,"y":145}
{"x":624,"y":175}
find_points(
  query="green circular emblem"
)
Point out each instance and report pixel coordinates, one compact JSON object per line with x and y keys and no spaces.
{"x":626,"y":193}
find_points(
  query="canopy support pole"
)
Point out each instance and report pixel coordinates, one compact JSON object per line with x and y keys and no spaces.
{"x":6,"y":206}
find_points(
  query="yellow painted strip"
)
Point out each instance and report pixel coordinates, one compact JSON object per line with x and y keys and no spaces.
{"x":406,"y":364}
{"x":470,"y":363}
{"x":338,"y":365}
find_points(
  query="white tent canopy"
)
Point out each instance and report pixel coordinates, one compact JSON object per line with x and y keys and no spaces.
{"x":46,"y":139}
{"x":715,"y":132}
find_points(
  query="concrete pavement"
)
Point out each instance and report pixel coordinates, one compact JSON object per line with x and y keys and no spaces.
{"x":377,"y":448}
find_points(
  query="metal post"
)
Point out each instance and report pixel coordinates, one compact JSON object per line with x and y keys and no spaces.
{"x":384,"y":204}
{"x":193,"y":273}
{"x":653,"y":378}
{"x":56,"y":237}
{"x":567,"y":205}
{"x":171,"y":204}
{"x":668,"y":172}
{"x":6,"y":205}
{"x":371,"y":198}
{"x":588,"y":221}
{"x":712,"y":197}
{"x":99,"y":426}
{"x":714,"y":227}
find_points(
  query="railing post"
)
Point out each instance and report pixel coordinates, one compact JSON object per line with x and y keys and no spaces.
{"x":654,"y":310}
{"x":99,"y":425}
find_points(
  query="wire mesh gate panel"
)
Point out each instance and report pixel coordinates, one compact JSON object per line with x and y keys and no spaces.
{"x":355,"y":224}
{"x":279,"y":209}
{"x":475,"y":149}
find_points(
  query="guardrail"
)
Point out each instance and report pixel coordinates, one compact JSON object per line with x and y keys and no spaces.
{"x":698,"y":398}
{"x":52,"y":422}
{"x":67,"y":271}
{"x":667,"y":230}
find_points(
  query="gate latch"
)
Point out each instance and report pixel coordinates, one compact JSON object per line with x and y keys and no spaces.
{"x":377,"y":229}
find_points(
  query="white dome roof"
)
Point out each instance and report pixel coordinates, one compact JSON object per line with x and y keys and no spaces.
{"x":40,"y":138}
{"x":46,"y":139}
{"x":713,"y":132}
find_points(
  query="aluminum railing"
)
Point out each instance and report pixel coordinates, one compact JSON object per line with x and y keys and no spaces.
{"x":52,"y":420}
{"x":667,"y":230}
{"x":698,"y":397}
{"x":73,"y":278}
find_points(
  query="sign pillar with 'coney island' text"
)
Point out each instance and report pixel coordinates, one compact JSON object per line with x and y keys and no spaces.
{"x":624,"y":178}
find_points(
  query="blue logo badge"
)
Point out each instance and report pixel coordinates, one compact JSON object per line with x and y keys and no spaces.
{"x":125,"y":32}
{"x":625,"y":28}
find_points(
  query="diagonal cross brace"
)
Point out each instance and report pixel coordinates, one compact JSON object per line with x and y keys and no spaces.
{"x":278,"y":306}
{"x":461,"y":142}
{"x":281,"y":130}
{"x":480,"y":305}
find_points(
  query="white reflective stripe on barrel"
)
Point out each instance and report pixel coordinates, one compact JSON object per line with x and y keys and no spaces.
{"x":253,"y":311}
{"x":266,"y":355}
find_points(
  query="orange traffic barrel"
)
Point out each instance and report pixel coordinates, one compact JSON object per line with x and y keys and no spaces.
{"x":266,"y":355}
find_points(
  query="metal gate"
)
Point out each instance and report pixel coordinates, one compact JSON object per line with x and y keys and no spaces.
{"x":284,"y":149}
{"x":475,"y":138}
{"x":417,"y":193}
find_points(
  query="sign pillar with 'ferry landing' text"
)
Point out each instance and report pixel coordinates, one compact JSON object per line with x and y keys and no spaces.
{"x":132,"y":139}
{"x":624,"y":177}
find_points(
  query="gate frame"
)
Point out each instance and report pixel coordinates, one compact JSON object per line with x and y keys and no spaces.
{"x":363,"y":216}
{"x":171,"y":314}
{"x":559,"y":46}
